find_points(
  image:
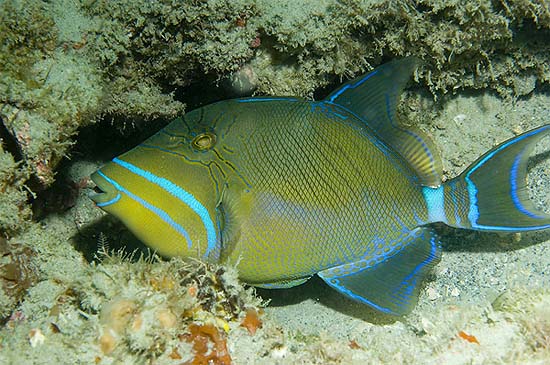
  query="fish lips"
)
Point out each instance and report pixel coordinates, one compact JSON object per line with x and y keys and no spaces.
{"x":104,"y":191}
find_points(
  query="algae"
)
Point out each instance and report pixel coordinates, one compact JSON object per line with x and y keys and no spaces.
{"x":66,"y":65}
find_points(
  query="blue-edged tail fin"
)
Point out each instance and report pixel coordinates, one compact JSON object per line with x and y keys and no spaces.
{"x":390,"y":283}
{"x":492,"y":195}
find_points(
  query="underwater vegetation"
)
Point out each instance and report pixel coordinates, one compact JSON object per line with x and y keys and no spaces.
{"x":146,"y":310}
{"x":66,"y":65}
{"x":18,"y":273}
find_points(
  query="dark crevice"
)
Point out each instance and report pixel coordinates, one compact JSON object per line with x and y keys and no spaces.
{"x":9,"y":144}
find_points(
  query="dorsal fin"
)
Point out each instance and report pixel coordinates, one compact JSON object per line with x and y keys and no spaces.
{"x":373,"y":97}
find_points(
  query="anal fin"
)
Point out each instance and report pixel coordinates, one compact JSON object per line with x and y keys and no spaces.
{"x":393,"y":284}
{"x":284,"y":284}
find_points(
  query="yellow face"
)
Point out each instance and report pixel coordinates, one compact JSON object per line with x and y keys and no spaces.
{"x":165,"y":191}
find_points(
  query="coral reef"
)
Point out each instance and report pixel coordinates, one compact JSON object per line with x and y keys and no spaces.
{"x":531,"y":309}
{"x":66,"y":64}
{"x":47,"y":92}
{"x":14,"y":210}
{"x":163,"y":306}
{"x":133,"y":312}
{"x":208,"y":344}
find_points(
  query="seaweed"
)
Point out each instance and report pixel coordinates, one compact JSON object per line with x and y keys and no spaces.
{"x":18,"y":272}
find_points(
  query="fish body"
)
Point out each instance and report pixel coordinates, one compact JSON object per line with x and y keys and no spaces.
{"x":286,"y":188}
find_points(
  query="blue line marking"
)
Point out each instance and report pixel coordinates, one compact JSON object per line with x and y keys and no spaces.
{"x":352,"y":86}
{"x":335,"y":282}
{"x":112,"y":201}
{"x":326,"y":108}
{"x":251,"y":100}
{"x":366,"y":130}
{"x":514,"y":187}
{"x":159,"y":212}
{"x":230,"y":164}
{"x":429,"y":259}
{"x":503,"y":146}
{"x":345,"y":290}
{"x":182,"y":195}
{"x":473,"y":214}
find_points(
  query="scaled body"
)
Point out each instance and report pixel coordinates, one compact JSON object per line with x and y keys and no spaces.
{"x":286,"y":188}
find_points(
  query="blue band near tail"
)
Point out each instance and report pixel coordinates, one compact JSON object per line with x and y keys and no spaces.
{"x":435,"y":202}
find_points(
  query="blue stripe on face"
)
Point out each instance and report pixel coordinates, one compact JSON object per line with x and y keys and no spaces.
{"x":180,"y":194}
{"x":115,"y":199}
{"x":157,"y":211}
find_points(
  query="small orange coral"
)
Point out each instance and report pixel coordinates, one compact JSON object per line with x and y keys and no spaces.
{"x":467,"y":337}
{"x":251,"y":321}
{"x":201,"y":336}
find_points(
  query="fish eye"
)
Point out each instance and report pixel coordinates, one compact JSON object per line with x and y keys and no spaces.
{"x":204,"y":141}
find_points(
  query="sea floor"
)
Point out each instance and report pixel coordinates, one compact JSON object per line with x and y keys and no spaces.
{"x":487,"y":302}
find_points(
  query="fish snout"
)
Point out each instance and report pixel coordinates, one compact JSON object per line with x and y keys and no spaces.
{"x":104,"y":192}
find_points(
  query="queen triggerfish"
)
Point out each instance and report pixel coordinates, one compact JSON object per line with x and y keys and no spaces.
{"x":286,"y":188}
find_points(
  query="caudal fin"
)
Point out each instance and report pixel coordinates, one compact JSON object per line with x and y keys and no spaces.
{"x":491,"y":195}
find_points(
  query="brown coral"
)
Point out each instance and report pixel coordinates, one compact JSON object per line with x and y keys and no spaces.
{"x":209,"y":345}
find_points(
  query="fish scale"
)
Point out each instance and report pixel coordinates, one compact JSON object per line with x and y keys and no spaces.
{"x":339,"y":218}
{"x":285,"y":188}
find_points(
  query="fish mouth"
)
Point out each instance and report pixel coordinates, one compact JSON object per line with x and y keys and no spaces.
{"x":104,"y":192}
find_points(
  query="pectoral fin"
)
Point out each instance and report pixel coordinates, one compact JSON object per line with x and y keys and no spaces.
{"x":391,"y":285}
